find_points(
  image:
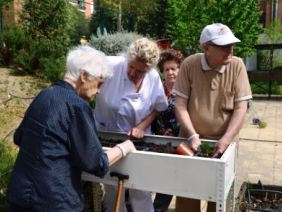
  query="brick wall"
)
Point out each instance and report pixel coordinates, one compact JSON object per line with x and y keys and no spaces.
{"x":88,"y":8}
{"x":11,"y":12}
{"x":266,"y":7}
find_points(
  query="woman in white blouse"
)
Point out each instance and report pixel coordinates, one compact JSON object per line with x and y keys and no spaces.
{"x":129,"y":102}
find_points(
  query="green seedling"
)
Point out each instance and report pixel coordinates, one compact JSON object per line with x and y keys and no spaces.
{"x":206,"y":149}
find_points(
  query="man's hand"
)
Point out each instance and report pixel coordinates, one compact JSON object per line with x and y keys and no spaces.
{"x":195,"y":142}
{"x":220,"y":147}
{"x":136,"y":133}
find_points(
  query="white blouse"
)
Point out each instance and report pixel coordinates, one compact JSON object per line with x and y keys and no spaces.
{"x":119,"y":108}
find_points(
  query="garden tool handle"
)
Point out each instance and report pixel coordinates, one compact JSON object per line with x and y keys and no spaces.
{"x":120,"y":177}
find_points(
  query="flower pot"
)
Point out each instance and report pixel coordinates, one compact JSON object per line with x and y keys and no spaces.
{"x":184,"y":149}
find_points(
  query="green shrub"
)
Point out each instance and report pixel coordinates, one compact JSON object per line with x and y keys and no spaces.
{"x":272,"y":35}
{"x":52,"y":68}
{"x":11,"y":40}
{"x":26,"y":59}
{"x":6,"y":165}
{"x":113,"y":44}
{"x":51,"y":59}
{"x":262,"y":87}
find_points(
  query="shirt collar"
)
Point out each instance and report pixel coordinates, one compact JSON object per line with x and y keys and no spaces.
{"x":206,"y":67}
{"x":125,"y":70}
{"x":65,"y":84}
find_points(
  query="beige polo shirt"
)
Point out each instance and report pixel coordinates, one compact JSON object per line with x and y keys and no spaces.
{"x":211,"y":94}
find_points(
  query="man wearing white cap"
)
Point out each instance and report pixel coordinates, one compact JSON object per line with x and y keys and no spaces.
{"x":212,"y":90}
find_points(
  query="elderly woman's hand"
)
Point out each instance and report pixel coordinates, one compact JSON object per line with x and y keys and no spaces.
{"x":126,"y":147}
{"x":136,"y":133}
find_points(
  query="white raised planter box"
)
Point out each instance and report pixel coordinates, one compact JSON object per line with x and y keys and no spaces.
{"x":194,"y":177}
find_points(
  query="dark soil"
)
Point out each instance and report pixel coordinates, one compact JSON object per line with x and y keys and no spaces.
{"x":265,"y":201}
{"x":150,"y":147}
{"x":258,"y":197}
{"x":143,"y":146}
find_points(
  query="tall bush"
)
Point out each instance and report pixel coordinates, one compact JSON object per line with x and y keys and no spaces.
{"x":154,"y":23}
{"x":48,"y":23}
{"x":11,"y":40}
{"x":113,"y":44}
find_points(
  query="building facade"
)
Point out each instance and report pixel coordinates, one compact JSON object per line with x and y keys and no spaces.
{"x":271,"y":11}
{"x":10,"y":13}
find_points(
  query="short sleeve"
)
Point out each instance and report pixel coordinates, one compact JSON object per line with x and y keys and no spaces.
{"x":242,"y":85}
{"x":182,"y":86}
{"x":161,"y":100}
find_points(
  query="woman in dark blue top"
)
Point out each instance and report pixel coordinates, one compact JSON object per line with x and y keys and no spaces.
{"x":57,"y":139}
{"x":166,"y":123}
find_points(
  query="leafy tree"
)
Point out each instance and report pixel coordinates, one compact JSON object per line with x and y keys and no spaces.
{"x":79,"y":25}
{"x":187,"y":18}
{"x":273,"y":31}
{"x":155,"y":21}
{"x":47,"y":19}
{"x":48,"y":23}
{"x":120,"y":15}
{"x":104,"y":18}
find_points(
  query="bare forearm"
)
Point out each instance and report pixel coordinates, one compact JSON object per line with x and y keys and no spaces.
{"x":236,"y":121}
{"x":183,"y":117}
{"x":114,"y":154}
{"x":147,"y":121}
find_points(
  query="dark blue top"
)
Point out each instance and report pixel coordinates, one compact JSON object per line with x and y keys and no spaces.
{"x":57,"y":140}
{"x":166,"y":120}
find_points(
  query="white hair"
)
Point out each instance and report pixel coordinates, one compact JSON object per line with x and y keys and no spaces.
{"x":88,"y":59}
{"x":145,"y":51}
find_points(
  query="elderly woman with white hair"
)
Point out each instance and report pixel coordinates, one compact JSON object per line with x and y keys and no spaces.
{"x":129,"y":102}
{"x":57,"y":139}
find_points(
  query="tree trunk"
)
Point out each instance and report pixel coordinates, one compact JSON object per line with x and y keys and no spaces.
{"x":119,"y":27}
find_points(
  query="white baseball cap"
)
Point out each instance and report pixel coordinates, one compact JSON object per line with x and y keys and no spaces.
{"x":218,"y":34}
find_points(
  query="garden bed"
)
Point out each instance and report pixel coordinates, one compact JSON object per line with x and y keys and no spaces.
{"x":204,"y":151}
{"x":258,"y":197}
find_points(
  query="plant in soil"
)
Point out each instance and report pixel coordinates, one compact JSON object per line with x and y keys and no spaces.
{"x":258,"y":197}
{"x":205,"y":150}
{"x":142,"y":146}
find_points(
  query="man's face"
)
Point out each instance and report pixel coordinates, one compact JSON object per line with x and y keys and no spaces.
{"x":218,"y":55}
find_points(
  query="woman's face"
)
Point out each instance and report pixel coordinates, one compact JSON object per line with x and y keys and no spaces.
{"x":136,"y":71}
{"x":90,"y":88}
{"x":170,"y":71}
